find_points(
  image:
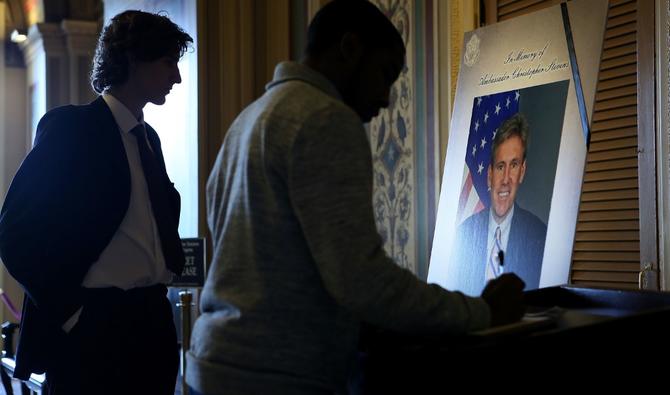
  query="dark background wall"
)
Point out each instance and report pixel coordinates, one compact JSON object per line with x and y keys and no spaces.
{"x":544,"y":108}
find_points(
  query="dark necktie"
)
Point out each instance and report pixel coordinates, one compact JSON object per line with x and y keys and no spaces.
{"x":158,"y":184}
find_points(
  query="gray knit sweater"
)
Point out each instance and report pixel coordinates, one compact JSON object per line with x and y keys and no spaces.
{"x":298,"y":262}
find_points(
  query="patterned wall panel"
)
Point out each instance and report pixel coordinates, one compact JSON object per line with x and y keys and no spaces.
{"x":392,"y":143}
{"x":403,"y":144}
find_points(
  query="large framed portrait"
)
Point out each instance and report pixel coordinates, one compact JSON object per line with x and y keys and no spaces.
{"x":517,"y":147}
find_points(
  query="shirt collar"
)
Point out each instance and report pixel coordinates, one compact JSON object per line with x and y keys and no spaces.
{"x":122,"y":115}
{"x":504,"y":225}
{"x":288,"y":71}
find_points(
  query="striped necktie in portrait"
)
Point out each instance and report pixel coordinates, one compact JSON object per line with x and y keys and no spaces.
{"x":494,"y":258}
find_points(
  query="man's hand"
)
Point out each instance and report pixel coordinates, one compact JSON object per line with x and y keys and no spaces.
{"x":505,"y":299}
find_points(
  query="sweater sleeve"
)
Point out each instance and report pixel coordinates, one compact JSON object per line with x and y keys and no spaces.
{"x":330,"y":186}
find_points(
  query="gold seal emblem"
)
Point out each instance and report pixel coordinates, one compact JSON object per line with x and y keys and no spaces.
{"x":471,"y":51}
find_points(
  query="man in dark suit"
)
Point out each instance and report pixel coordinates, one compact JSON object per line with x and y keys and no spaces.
{"x":504,"y":230}
{"x":89,"y":226}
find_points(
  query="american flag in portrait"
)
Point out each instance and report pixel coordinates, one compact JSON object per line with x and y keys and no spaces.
{"x":488,"y":113}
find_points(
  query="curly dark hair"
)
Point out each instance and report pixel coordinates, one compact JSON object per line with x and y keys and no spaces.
{"x":136,"y":35}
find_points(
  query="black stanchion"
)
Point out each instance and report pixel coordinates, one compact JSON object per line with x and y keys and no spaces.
{"x":185,"y":304}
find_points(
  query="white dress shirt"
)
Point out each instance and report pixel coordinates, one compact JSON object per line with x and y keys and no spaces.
{"x":133,"y":258}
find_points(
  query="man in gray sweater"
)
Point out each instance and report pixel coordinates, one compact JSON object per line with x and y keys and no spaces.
{"x":298,"y":262}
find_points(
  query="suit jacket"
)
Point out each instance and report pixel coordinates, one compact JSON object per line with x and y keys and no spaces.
{"x":65,"y":203}
{"x":523,"y":256}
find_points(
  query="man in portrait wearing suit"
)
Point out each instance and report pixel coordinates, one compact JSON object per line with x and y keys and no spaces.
{"x":505,"y":226}
{"x":89,"y":226}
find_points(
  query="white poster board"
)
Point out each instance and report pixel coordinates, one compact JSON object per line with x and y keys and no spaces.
{"x":538,"y":73}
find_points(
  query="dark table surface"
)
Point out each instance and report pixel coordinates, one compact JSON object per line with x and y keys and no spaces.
{"x":570,"y":328}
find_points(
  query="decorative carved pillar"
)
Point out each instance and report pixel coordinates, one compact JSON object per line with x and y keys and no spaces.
{"x":47,"y":62}
{"x":58,"y":57}
{"x":80,"y":40}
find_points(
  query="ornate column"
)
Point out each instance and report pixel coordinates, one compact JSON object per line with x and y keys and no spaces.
{"x":80,"y":41}
{"x":47,"y":76}
{"x":58,"y":58}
